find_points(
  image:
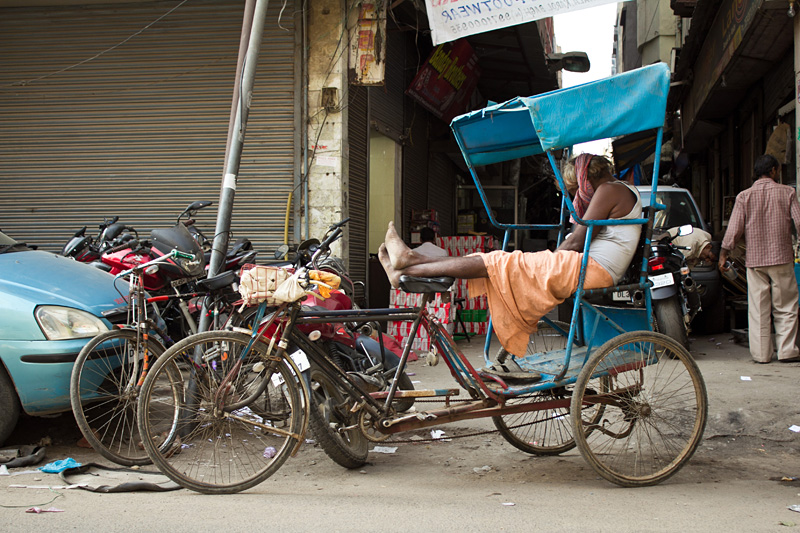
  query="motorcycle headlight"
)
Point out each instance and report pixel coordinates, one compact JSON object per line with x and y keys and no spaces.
{"x":59,"y":323}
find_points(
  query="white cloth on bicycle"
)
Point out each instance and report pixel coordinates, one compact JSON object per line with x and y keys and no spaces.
{"x":259,"y":283}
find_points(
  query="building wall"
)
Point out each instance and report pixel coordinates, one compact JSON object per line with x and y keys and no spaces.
{"x":326,"y":67}
{"x":656,"y":30}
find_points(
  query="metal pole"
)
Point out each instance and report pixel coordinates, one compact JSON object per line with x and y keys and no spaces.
{"x":247,"y":25}
{"x":252,"y":30}
{"x":236,"y":135}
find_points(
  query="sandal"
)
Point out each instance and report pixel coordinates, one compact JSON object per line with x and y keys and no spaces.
{"x":510,"y":370}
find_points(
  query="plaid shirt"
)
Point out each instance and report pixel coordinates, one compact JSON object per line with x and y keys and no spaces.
{"x":763,"y":214}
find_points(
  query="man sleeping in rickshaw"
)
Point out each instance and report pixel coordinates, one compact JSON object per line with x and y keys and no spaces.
{"x":522,"y":287}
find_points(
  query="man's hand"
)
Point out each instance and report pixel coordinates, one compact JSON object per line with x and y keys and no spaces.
{"x":723,"y":258}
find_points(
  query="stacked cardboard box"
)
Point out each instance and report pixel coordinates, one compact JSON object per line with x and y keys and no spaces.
{"x":474,"y":311}
{"x":439,"y":307}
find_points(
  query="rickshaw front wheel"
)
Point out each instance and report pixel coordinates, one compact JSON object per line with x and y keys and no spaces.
{"x":655,"y":409}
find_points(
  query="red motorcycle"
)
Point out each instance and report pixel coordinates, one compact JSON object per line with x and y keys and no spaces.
{"x":363,"y":351}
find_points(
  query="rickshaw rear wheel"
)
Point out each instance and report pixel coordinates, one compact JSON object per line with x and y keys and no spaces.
{"x":654,"y":413}
{"x":545,"y":431}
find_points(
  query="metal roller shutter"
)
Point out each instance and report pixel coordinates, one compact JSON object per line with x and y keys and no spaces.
{"x":357,"y":175}
{"x":386,"y":102}
{"x":101,"y":115}
{"x":442,"y":187}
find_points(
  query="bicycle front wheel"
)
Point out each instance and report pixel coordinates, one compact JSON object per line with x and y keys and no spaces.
{"x":229,"y":426}
{"x":104,"y":391}
{"x":655,"y":409}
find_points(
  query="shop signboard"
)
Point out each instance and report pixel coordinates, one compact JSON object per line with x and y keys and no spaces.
{"x":452,"y":19}
{"x":446,"y":80}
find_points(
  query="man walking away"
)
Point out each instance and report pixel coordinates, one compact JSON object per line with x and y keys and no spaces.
{"x":763,"y":215}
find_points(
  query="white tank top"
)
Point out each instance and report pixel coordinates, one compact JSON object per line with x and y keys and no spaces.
{"x":614,"y":246}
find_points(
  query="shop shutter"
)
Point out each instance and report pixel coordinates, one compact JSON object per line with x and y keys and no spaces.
{"x":107,"y":110}
{"x":358,"y":190}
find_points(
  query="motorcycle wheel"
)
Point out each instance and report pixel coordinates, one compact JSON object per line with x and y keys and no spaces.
{"x":669,"y":319}
{"x":330,"y":411}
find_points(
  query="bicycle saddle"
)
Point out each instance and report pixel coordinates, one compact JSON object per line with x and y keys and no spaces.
{"x":417,"y":285}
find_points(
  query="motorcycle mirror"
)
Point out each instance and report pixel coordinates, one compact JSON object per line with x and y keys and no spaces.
{"x":194,"y":206}
{"x":685,"y":230}
{"x":281,"y":252}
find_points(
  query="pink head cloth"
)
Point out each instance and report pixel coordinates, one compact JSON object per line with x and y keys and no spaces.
{"x":585,"y":190}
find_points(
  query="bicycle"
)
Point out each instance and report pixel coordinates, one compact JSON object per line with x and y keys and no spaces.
{"x":635,"y":405}
{"x":109,"y":370}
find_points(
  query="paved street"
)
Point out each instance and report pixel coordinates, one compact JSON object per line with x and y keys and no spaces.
{"x":477,"y":483}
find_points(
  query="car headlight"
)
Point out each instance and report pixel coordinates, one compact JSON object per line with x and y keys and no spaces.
{"x":59,"y":323}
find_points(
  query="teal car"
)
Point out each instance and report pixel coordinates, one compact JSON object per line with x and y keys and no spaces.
{"x":50,"y":306}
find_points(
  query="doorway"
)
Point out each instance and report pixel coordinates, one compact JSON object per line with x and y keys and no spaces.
{"x":384,"y":205}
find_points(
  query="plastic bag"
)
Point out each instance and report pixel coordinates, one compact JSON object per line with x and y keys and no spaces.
{"x":290,"y":290}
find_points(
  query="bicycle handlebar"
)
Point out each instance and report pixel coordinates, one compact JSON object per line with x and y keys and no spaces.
{"x":335,"y":232}
{"x":172,"y":254}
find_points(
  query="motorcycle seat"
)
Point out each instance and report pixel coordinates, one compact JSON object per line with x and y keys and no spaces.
{"x":421,"y":285}
{"x":217,"y":282}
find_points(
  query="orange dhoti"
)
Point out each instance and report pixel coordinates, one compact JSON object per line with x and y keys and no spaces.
{"x":523,"y":287}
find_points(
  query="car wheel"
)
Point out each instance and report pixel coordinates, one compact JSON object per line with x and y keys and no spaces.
{"x":9,"y":406}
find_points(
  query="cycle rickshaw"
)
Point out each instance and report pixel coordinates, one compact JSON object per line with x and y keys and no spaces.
{"x":633,"y":402}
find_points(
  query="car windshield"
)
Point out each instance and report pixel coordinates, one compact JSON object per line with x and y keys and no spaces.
{"x":679,"y":212}
{"x":7,"y":244}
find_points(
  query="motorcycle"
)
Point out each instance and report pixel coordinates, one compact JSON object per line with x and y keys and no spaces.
{"x":360,"y":350}
{"x":674,"y":293}
{"x":86,"y":249}
{"x":110,"y":251}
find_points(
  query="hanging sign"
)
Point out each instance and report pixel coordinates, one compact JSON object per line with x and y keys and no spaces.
{"x":446,"y":81}
{"x":368,"y":44}
{"x":452,"y":19}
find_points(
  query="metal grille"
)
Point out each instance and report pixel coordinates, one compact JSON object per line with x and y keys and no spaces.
{"x":358,"y":142}
{"x":139,"y":131}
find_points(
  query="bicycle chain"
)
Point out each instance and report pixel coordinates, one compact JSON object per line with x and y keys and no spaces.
{"x":431,"y":439}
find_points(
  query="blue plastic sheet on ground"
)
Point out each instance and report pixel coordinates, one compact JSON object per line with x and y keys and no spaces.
{"x":58,"y":466}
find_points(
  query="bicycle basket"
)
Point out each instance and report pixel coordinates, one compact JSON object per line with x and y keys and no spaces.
{"x":259,"y":283}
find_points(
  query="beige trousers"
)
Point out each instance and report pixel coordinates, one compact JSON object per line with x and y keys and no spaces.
{"x":772,"y":290}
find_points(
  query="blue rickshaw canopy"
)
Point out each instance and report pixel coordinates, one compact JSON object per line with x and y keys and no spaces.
{"x":627,"y":103}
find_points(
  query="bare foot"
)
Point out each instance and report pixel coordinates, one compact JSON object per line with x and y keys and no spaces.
{"x":394,"y":275}
{"x":400,"y":255}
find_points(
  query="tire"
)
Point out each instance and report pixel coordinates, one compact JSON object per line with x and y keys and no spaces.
{"x":225,"y":439}
{"x":541,"y":431}
{"x":402,"y":405}
{"x":9,"y":406}
{"x":330,"y":412}
{"x":669,"y":319}
{"x":104,"y":391}
{"x":654,"y":412}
